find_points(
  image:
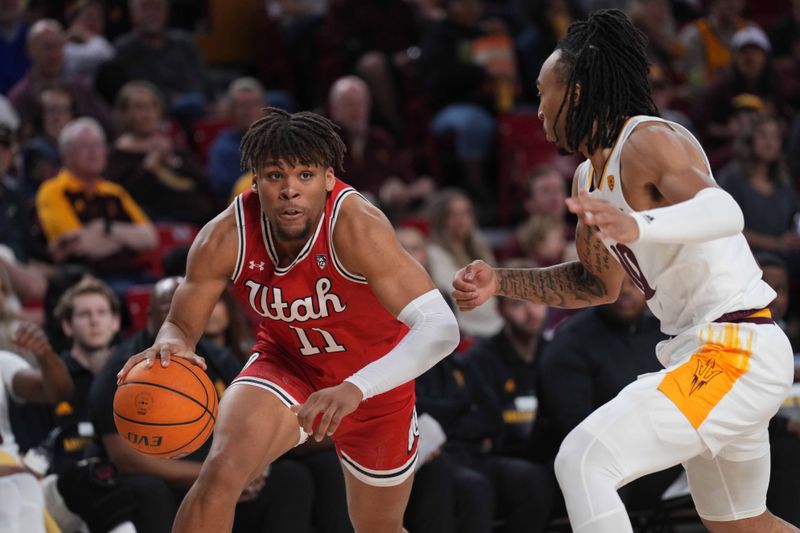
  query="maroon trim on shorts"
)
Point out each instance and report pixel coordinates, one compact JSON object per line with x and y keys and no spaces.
{"x":737,"y":317}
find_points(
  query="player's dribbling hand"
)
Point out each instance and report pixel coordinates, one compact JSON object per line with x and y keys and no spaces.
{"x":474,"y":284}
{"x":333,"y":403}
{"x":163,"y":351}
{"x":610,"y":222}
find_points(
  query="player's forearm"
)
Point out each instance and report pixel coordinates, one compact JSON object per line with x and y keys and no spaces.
{"x":433,"y":336}
{"x":568,"y":285}
{"x":57,"y":384}
{"x":175,"y":331}
{"x":711,"y":214}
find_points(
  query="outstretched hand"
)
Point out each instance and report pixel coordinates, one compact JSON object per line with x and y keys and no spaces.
{"x":163,"y":351}
{"x":30,"y":337}
{"x":610,"y":221}
{"x":474,"y":284}
{"x":333,"y":404}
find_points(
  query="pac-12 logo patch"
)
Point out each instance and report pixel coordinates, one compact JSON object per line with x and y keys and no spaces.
{"x":321,"y":261}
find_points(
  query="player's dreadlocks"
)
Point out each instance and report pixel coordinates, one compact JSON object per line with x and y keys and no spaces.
{"x":606,"y":55}
{"x":303,"y":138}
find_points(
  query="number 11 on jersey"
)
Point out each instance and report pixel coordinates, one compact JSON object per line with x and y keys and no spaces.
{"x":307,"y":348}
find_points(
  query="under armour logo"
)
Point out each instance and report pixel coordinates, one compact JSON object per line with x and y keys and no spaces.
{"x":260,"y":265}
{"x":705,"y":372}
{"x":321,"y":261}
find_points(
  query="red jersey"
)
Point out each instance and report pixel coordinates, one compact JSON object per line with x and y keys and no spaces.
{"x":325,"y":320}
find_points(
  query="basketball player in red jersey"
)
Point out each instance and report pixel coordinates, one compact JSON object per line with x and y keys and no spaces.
{"x":350,"y":319}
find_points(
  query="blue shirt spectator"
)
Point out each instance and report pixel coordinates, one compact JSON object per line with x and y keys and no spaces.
{"x":13,"y":34}
{"x":246,"y":101}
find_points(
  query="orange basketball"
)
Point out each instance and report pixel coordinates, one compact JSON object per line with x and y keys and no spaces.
{"x":166,"y":411}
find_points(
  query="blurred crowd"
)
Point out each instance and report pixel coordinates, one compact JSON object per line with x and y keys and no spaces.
{"x":120,"y":123}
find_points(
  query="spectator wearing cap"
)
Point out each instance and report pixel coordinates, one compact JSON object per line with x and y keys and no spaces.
{"x":45,"y":45}
{"x":13,"y":33}
{"x":85,"y":217}
{"x":707,"y":42}
{"x":750,"y":73}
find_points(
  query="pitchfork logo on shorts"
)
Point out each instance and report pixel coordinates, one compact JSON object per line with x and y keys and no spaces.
{"x":705,"y":372}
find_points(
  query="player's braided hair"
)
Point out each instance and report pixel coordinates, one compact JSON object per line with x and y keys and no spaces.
{"x":303,"y":138}
{"x":607,"y":56}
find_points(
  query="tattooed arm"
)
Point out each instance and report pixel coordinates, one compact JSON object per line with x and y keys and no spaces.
{"x":593,"y":280}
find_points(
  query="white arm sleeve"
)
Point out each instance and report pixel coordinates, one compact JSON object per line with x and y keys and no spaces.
{"x":433,"y":336}
{"x":711,"y":214}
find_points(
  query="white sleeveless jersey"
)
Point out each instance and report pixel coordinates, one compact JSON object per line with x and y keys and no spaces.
{"x":685,"y":284}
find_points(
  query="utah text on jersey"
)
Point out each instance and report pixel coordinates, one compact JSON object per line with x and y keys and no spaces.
{"x":269,"y":303}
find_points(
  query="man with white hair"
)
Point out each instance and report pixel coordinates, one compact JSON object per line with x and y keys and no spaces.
{"x":245,"y":101}
{"x":45,"y":45}
{"x":84,"y":216}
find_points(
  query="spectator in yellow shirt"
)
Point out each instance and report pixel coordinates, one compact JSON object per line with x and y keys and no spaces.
{"x":85,"y":217}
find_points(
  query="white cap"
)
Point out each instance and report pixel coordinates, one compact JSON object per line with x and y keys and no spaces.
{"x":751,"y":35}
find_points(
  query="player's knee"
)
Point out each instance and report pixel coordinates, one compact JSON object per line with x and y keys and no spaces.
{"x":584,"y":457}
{"x":223,"y":474}
{"x":568,"y":461}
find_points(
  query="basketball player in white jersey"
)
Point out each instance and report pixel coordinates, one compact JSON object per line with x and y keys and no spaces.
{"x":649,"y":208}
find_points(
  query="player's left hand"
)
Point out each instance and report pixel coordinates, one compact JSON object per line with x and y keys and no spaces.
{"x":333,"y":403}
{"x":610,"y":222}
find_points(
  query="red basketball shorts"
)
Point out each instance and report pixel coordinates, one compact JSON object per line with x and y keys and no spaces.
{"x":377,"y":443}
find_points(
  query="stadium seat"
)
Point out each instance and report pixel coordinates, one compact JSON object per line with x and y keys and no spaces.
{"x":522,"y":147}
{"x":205,"y":132}
{"x":137,"y":301}
{"x":170,"y":235}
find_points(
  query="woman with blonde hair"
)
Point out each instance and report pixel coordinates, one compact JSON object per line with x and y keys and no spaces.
{"x":455,"y":242}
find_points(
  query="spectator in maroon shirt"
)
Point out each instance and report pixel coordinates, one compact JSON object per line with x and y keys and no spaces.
{"x":373,"y":163}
